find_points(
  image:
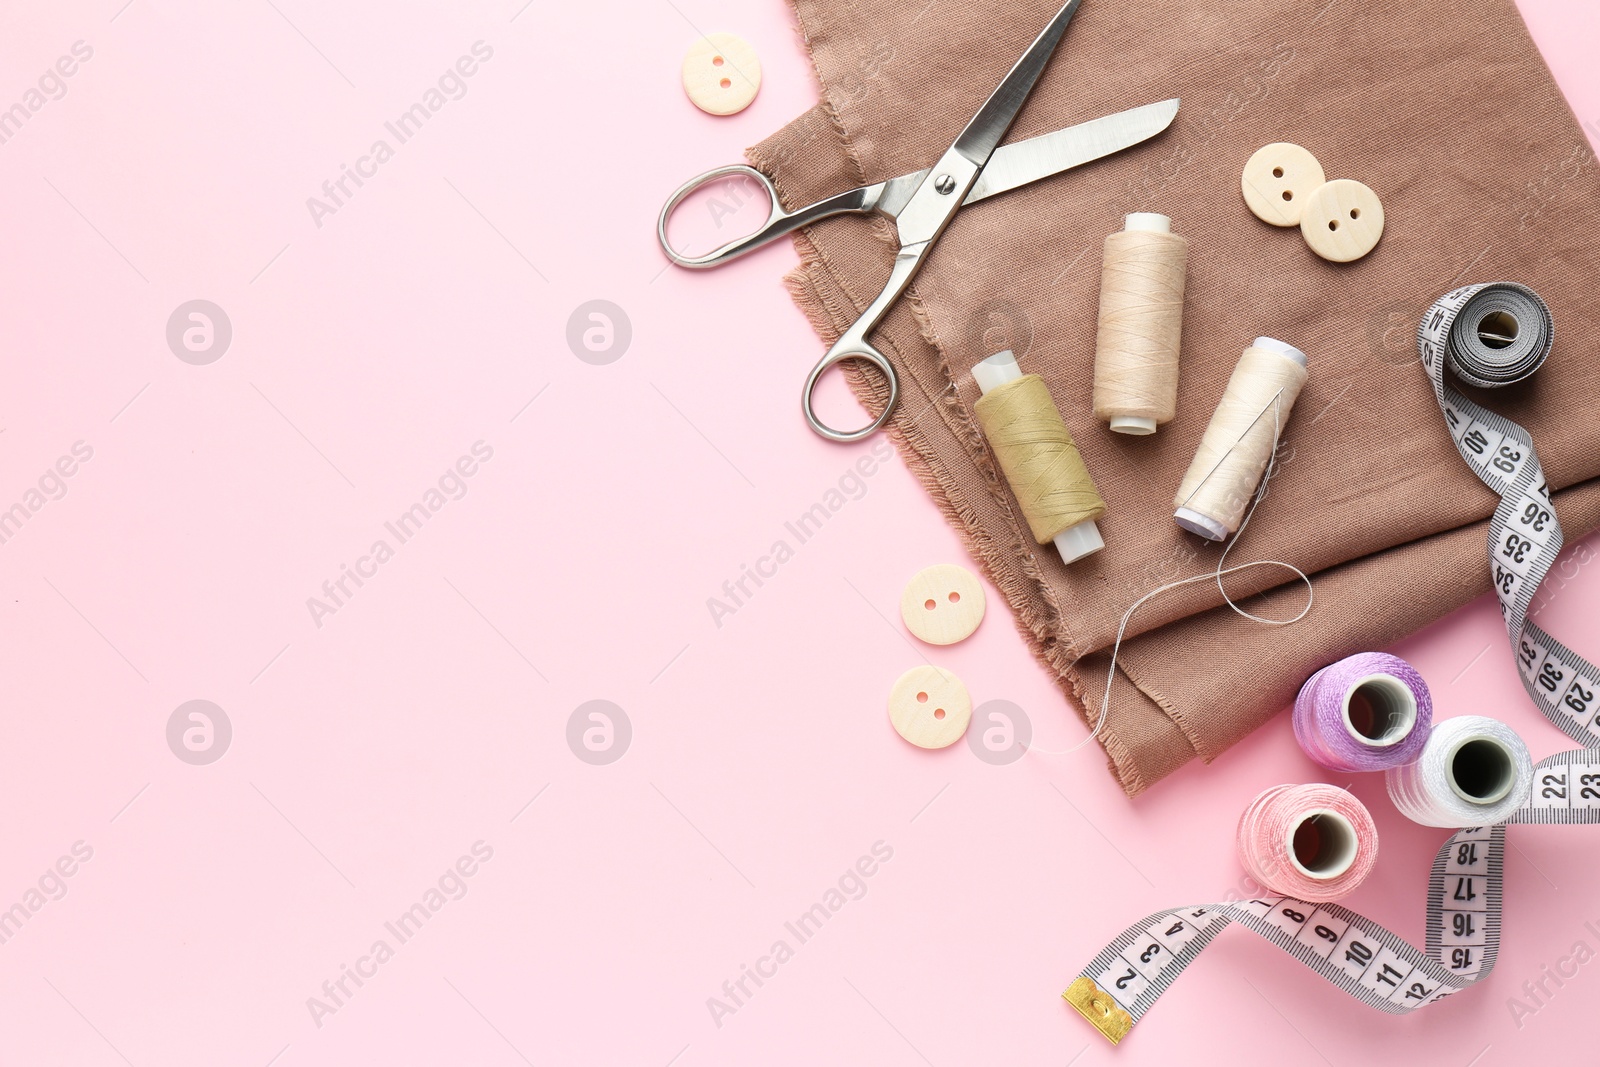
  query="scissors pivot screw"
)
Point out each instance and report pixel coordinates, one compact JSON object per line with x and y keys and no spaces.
{"x":922,"y":204}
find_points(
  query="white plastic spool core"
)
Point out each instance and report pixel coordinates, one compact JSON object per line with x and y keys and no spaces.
{"x":1196,"y":523}
{"x":1133,"y":425}
{"x":1283,"y":348}
{"x":996,"y":371}
{"x":1379,"y":711}
{"x":1322,"y":844}
{"x":1146,"y":222}
{"x":1075,"y":542}
{"x":1140,"y":222}
{"x":1481,"y":770}
{"x":1205,"y":525}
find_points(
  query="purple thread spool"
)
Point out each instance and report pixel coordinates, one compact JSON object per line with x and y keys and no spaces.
{"x":1368,"y":712}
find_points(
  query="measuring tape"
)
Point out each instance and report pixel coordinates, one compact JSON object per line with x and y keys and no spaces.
{"x":1524,"y":535}
{"x":1505,"y":333}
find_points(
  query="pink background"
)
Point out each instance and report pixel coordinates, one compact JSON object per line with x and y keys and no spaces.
{"x":369,"y":754}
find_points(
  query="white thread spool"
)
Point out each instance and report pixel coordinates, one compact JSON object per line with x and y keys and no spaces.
{"x":1474,"y":771}
{"x":1238,"y":444}
{"x":1141,"y":325}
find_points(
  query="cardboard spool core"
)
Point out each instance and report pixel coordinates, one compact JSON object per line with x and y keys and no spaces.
{"x":1379,"y":711}
{"x":1482,"y":771}
{"x":1323,"y":845}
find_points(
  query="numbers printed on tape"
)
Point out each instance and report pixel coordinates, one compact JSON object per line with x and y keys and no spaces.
{"x":1465,"y":884}
{"x":1354,"y":953}
{"x":1323,"y":932}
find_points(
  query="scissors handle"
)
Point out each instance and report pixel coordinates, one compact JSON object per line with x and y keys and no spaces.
{"x":853,"y":344}
{"x":779,"y":221}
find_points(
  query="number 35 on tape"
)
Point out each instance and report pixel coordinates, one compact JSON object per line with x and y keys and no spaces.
{"x":1465,"y":886}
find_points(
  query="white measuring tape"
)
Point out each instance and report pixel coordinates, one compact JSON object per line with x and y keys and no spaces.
{"x":1505,"y":333}
{"x":1524,"y":535}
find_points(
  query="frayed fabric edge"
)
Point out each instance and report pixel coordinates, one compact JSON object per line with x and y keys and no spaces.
{"x":1008,"y":563}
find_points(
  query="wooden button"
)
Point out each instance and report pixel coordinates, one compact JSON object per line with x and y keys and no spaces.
{"x":930,"y":707}
{"x":1278,"y":180}
{"x":943,"y":604}
{"x":1343,"y":221}
{"x":721,"y":74}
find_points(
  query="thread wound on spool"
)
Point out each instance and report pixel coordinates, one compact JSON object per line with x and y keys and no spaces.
{"x":1367,"y":712}
{"x":1040,"y":460}
{"x":1473,"y":771}
{"x":1141,"y":325}
{"x":1238,"y":444}
{"x":1315,"y":842}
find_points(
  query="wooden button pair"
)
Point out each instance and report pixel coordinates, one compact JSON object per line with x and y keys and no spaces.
{"x":1283,"y":184}
{"x":941,"y":605}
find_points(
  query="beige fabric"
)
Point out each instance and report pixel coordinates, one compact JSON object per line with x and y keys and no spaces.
{"x":1445,"y":109}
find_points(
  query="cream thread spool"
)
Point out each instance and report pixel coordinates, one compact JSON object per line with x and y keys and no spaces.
{"x":1238,"y":444}
{"x":1040,"y":460}
{"x":1141,"y":325}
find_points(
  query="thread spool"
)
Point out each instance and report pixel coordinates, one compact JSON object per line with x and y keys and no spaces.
{"x":1040,"y":460}
{"x":1238,"y":443}
{"x":1368,"y":712}
{"x":1141,"y":325}
{"x":1473,"y":771}
{"x":1315,"y":842}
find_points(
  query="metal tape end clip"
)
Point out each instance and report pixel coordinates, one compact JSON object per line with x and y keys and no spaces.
{"x":1103,"y":1013}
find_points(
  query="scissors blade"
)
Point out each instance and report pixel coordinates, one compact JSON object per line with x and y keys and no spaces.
{"x":989,"y":126}
{"x":1015,"y":165}
{"x":1024,"y":162}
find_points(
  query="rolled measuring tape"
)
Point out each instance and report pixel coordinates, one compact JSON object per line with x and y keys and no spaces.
{"x":1491,"y":335}
{"x":1361,"y":957}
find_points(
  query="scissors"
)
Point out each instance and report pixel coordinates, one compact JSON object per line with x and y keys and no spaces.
{"x":923,"y":204}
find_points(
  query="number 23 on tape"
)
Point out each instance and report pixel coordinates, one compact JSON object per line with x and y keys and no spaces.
{"x":1466,"y":883}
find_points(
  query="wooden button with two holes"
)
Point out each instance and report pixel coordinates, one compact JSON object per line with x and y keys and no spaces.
{"x":1277,"y":182}
{"x":930,"y":707}
{"x":942,"y":604}
{"x":1343,"y":221}
{"x":721,"y":74}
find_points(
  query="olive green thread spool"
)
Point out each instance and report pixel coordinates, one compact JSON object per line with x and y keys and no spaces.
{"x":1041,"y":462}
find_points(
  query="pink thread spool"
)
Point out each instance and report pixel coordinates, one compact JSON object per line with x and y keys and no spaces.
{"x":1314,"y":842}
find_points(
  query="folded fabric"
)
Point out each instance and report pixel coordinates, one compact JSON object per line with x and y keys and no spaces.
{"x":1447,"y":111}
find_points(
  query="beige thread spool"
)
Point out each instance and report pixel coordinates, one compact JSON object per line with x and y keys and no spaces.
{"x":1141,"y":325}
{"x":1239,"y":442}
{"x":1040,"y":460}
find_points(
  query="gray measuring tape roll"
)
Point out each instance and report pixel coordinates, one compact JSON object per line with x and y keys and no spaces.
{"x":1505,"y":337}
{"x":1488,"y":335}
